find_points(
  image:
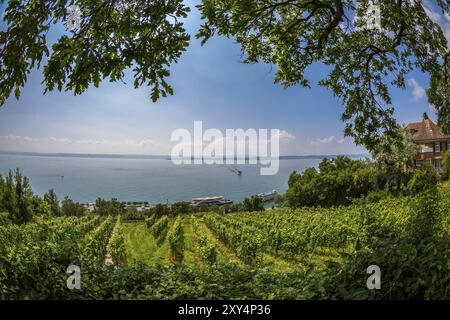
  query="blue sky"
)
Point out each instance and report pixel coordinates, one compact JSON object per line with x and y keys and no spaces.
{"x":211,"y":84}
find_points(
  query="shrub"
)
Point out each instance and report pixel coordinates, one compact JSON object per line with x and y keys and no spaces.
{"x":109,"y":207}
{"x":4,"y":218}
{"x":423,"y":178}
{"x":446,"y":166}
{"x":175,"y":236}
{"x":116,"y":245}
{"x":255,"y":203}
{"x":413,"y":262}
{"x":93,"y":247}
{"x":180,"y":208}
{"x":71,"y":208}
{"x":206,"y":247}
{"x":159,"y":227}
{"x":160,"y":210}
{"x":376,"y":196}
{"x":337,"y":182}
{"x":150,"y":221}
{"x":132,"y":214}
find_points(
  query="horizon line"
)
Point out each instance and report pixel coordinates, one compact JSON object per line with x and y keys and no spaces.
{"x":149,"y":156}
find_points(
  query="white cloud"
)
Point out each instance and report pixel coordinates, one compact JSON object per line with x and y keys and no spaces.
{"x":436,"y":17}
{"x":60,"y":140}
{"x":285,"y":136}
{"x":12,"y":137}
{"x":11,"y":142}
{"x":329,"y":145}
{"x":418,"y":91}
{"x":9,"y":137}
{"x":327,"y":140}
{"x":443,"y":20}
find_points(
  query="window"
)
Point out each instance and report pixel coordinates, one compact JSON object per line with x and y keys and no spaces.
{"x":419,"y":163}
{"x":425,"y":148}
{"x":437,"y":147}
{"x":437,"y":164}
{"x":448,"y":145}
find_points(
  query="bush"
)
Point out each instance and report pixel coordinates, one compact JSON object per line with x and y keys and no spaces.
{"x":207,"y":250}
{"x":160,"y":227}
{"x":338,"y":182}
{"x":132,"y":214}
{"x":376,"y":196}
{"x":116,"y":245}
{"x":109,"y":207}
{"x":206,"y":247}
{"x":446,"y":166}
{"x":94,"y":245}
{"x":16,"y":197}
{"x":150,"y":221}
{"x":423,"y":178}
{"x":255,"y":203}
{"x":175,"y":237}
{"x":279,"y":199}
{"x":71,"y":208}
{"x":180,"y":208}
{"x":4,"y":218}
{"x":413,"y":262}
{"x":160,"y":210}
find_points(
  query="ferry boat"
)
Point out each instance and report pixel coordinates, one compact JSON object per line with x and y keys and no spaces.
{"x":209,"y":201}
{"x":269,"y":196}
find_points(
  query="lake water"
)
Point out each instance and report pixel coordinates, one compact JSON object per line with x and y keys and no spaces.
{"x":155,"y":180}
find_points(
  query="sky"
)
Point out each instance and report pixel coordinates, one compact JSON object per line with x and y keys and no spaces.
{"x":212,"y":85}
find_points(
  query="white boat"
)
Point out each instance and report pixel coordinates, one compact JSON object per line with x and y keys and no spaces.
{"x":208,"y":201}
{"x":269,"y":196}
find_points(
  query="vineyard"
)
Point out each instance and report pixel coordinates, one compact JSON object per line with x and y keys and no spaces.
{"x":281,"y":253}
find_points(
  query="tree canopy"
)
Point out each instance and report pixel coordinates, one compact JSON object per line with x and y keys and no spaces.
{"x":145,"y":36}
{"x":148,"y":36}
{"x":337,"y":182}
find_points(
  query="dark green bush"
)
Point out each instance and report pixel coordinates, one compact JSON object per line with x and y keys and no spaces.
{"x":338,"y":182}
{"x":446,"y":166}
{"x":414,"y":263}
{"x":423,"y":178}
{"x":4,"y":218}
{"x":377,"y":195}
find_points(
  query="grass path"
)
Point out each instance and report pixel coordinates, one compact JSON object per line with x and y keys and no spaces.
{"x":162,"y":255}
{"x":140,"y":246}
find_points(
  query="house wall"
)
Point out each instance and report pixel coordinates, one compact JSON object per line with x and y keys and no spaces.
{"x":430,"y":157}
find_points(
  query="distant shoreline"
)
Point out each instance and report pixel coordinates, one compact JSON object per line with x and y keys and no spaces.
{"x":153,"y":157}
